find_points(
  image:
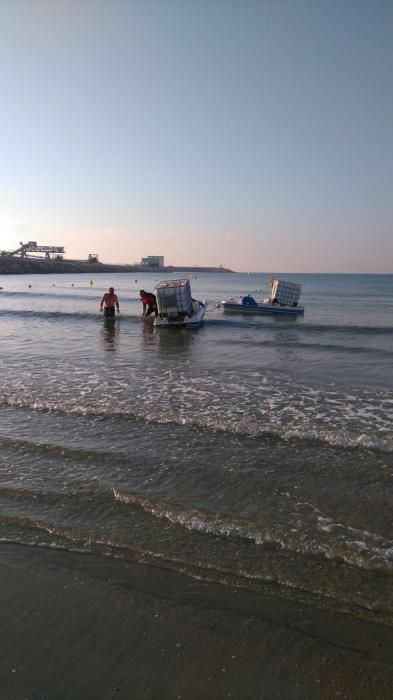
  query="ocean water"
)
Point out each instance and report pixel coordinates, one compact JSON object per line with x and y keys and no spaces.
{"x":253,"y":452}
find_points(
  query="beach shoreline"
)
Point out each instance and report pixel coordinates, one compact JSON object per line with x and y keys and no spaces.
{"x":79,"y":625}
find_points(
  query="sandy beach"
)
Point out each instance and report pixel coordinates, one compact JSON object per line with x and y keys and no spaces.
{"x":77,"y":626}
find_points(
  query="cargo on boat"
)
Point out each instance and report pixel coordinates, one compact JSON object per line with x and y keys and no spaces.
{"x":175,"y":304}
{"x":283,"y":299}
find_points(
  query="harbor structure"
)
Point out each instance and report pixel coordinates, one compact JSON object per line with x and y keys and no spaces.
{"x":153,"y":261}
{"x":33,"y":250}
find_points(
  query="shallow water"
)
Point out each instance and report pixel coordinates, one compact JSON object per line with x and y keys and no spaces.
{"x":255,"y":452}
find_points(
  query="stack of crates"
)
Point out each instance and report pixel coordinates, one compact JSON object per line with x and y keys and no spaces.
{"x":285,"y":293}
{"x":174,"y":298}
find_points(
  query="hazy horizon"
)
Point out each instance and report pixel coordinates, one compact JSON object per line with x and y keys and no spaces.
{"x":255,"y":135}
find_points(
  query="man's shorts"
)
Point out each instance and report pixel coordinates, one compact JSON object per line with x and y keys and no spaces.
{"x":152,"y":308}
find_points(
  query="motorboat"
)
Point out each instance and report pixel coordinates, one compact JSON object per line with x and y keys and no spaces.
{"x":248,"y":305}
{"x":176,"y":306}
{"x":283,"y":299}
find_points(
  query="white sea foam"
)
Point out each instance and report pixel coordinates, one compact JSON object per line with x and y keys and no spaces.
{"x":237,"y":412}
{"x":228,"y":400}
{"x":335,"y":541}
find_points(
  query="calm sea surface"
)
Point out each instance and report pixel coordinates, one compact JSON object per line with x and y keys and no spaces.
{"x":253,"y":452}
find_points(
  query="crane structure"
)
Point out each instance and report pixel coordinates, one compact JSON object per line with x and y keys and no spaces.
{"x":32,"y":250}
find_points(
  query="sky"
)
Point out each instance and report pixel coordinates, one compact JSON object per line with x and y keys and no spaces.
{"x":255,"y":134}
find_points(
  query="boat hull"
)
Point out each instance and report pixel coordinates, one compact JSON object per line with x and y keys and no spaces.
{"x":193,"y":321}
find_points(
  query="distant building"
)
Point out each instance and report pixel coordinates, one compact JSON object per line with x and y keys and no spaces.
{"x":153,"y":261}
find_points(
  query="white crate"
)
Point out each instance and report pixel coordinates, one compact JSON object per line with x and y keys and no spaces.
{"x":174,"y":297}
{"x":286,"y":293}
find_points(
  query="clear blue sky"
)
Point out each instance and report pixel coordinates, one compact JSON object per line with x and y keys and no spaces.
{"x":255,"y":134}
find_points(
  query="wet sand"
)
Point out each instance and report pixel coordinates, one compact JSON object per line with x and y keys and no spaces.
{"x":80,"y":626}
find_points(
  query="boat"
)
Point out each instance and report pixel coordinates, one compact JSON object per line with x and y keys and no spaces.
{"x":283,"y":300}
{"x":176,"y":307}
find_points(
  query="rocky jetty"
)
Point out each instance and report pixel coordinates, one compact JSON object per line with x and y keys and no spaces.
{"x":12,"y":265}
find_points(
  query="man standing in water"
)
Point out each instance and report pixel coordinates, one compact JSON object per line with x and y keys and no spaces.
{"x":108,"y":302}
{"x":149,"y":302}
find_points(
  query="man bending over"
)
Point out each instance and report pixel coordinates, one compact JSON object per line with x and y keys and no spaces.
{"x":149,"y":302}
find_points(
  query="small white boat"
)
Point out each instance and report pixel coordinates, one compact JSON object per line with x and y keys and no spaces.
{"x":284,"y":299}
{"x":176,"y":307}
{"x":248,"y":305}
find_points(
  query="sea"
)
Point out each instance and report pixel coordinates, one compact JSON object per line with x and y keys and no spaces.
{"x":252,"y":452}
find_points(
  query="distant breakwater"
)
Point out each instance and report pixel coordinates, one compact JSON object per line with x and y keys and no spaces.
{"x":29,"y":266}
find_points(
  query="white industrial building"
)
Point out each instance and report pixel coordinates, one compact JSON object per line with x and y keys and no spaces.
{"x":153,"y":261}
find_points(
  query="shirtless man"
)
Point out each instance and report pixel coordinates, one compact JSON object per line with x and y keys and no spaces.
{"x":108,"y":303}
